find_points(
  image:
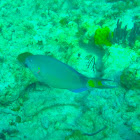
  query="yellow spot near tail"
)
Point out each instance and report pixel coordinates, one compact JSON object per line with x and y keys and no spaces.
{"x":91,"y":83}
{"x":99,"y":83}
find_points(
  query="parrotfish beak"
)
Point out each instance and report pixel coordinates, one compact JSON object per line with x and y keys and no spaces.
{"x":22,"y":57}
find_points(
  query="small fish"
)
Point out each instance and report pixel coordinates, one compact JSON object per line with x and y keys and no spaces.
{"x":57,"y":74}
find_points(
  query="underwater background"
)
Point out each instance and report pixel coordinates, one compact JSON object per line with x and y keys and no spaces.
{"x":98,"y":39}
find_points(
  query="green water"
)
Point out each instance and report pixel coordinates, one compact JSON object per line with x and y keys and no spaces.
{"x":99,"y":39}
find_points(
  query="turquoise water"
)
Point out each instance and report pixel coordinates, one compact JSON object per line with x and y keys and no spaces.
{"x":99,"y":39}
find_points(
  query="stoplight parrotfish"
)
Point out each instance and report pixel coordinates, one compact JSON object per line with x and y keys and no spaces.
{"x":57,"y":74}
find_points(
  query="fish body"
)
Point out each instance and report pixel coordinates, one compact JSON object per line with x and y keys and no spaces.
{"x":60,"y":75}
{"x":55,"y":73}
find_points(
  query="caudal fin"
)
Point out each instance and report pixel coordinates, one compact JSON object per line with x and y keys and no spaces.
{"x":109,"y":83}
{"x":101,"y":83}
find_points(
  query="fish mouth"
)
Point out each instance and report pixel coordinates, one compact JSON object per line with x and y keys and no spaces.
{"x":27,"y":63}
